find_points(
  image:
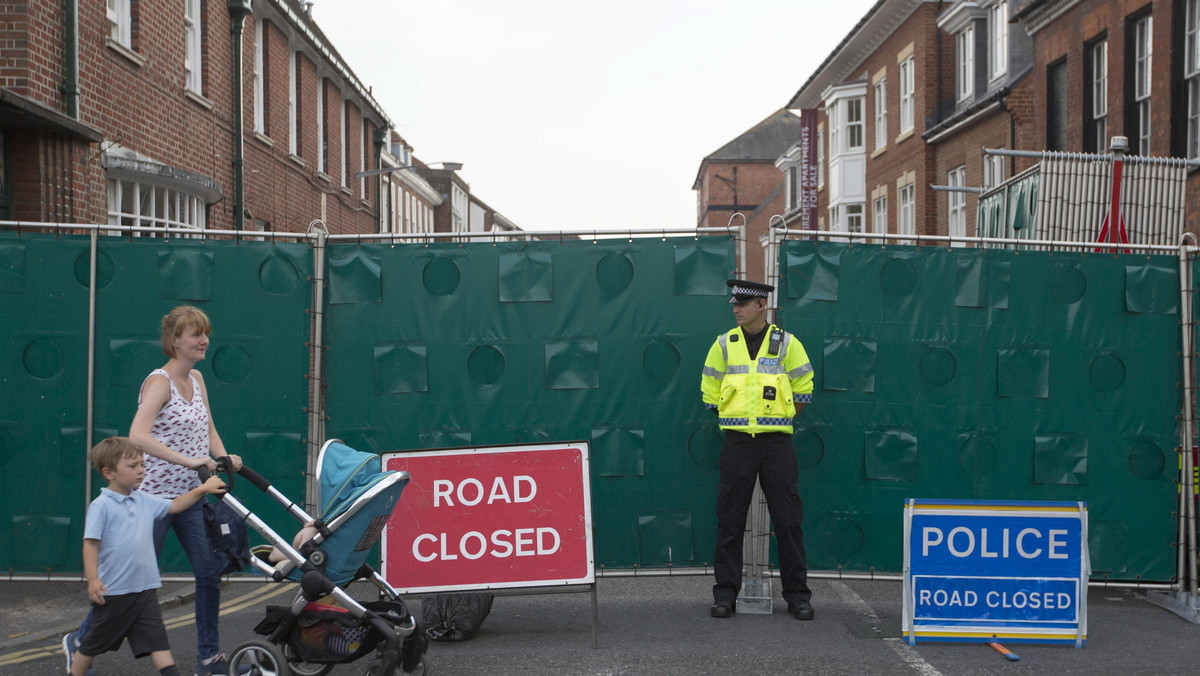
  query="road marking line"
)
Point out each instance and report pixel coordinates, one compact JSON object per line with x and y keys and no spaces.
{"x":29,"y":654}
{"x":231,"y":606}
{"x":898,"y":645}
{"x":236,"y":604}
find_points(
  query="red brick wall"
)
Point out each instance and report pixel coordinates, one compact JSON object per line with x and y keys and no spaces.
{"x":1066,"y":36}
{"x":910,"y":153}
{"x":145,"y":107}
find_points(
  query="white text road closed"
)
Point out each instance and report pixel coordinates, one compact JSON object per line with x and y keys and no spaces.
{"x":984,"y":571}
{"x":491,"y":517}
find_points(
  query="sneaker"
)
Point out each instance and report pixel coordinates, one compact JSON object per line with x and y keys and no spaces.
{"x":70,"y":644}
{"x":217,"y":665}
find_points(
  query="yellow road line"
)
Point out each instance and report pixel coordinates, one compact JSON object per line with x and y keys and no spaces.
{"x":231,"y":606}
{"x":236,"y":604}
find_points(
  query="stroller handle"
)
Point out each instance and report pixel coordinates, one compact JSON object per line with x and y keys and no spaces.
{"x":224,"y":466}
{"x":254,"y":478}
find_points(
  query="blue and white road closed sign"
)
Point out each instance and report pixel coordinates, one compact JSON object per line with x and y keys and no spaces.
{"x":992,"y":571}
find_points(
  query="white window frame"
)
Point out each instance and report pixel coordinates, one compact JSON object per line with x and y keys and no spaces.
{"x":879,"y":214}
{"x":293,"y":102}
{"x":907,"y":216}
{"x":965,"y":63}
{"x":907,"y":87}
{"x":956,"y":204}
{"x":1191,"y":74}
{"x":1099,"y":57}
{"x":854,"y":124}
{"x":1143,"y":77}
{"x":193,"y":60}
{"x":998,"y":40}
{"x":120,"y":22}
{"x":881,"y":114}
{"x":834,"y":113}
{"x":136,"y":203}
{"x":260,"y":117}
{"x":855,"y":221}
{"x":993,"y":170}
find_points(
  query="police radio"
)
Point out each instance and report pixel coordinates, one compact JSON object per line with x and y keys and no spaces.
{"x":776,"y":341}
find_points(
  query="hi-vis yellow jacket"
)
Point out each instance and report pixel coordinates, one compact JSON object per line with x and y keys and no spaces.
{"x":760,"y":394}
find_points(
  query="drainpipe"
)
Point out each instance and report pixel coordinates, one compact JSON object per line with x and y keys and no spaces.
{"x":71,"y":47}
{"x":238,"y":11}
{"x":380,"y":138}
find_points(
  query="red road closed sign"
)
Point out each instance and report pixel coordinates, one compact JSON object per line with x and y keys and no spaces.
{"x":491,"y":517}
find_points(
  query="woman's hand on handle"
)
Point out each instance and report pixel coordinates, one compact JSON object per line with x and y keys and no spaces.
{"x":206,"y":462}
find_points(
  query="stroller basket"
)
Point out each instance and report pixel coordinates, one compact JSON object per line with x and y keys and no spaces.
{"x":326,"y":634}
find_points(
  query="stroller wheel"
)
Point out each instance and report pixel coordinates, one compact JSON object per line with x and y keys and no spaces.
{"x":258,"y":658}
{"x":296,"y":667}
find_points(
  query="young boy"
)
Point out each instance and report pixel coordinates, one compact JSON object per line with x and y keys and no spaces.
{"x":119,"y":561}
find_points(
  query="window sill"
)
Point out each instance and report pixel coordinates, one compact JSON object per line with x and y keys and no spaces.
{"x":130,"y":55}
{"x":347,"y":191}
{"x":297,"y":160}
{"x":264,"y":139}
{"x":905,"y":135}
{"x":878,"y":152}
{"x":324,"y":178}
{"x":199,"y":99}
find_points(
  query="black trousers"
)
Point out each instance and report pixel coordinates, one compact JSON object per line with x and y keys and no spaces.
{"x":769,"y":458}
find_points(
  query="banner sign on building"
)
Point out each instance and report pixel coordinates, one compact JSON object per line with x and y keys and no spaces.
{"x":808,"y":169}
{"x":491,"y":517}
{"x":995,"y":571}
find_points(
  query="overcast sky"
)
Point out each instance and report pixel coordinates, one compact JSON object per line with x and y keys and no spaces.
{"x":582,"y":116}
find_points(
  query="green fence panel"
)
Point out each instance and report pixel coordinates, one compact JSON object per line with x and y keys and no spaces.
{"x":479,"y":344}
{"x":257,"y":295}
{"x":43,"y":412}
{"x":940,"y":373}
{"x":990,"y":375}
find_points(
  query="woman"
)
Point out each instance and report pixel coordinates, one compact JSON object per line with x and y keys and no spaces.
{"x":174,"y":427}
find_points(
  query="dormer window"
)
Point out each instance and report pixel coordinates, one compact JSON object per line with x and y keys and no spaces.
{"x":998,"y":40}
{"x":968,"y":21}
{"x":965,"y":70}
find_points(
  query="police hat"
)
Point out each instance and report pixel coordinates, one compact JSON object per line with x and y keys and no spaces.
{"x":743,"y":290}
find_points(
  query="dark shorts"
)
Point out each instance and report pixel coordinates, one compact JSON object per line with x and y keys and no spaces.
{"x":135,"y":617}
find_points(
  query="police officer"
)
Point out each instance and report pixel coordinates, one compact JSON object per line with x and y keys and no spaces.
{"x":756,"y":378}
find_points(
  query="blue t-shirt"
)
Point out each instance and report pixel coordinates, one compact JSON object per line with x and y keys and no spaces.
{"x":124,"y":525}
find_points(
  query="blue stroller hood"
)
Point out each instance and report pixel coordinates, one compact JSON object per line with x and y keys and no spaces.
{"x":356,"y":499}
{"x":344,"y":474}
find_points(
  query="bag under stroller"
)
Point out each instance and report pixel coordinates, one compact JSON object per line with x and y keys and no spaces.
{"x":324,"y":625}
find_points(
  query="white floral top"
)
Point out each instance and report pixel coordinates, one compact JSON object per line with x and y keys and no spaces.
{"x":182,"y":426}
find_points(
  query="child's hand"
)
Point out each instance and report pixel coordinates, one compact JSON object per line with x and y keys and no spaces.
{"x":214,"y":485}
{"x":96,"y":591}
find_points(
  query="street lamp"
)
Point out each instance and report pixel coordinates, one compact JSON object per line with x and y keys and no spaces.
{"x":445,"y":166}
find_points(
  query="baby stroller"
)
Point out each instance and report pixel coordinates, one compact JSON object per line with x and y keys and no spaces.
{"x":307,"y":638}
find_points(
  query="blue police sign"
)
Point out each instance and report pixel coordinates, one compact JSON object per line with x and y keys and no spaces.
{"x":990,"y":571}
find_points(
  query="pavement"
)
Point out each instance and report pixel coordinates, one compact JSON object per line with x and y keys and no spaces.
{"x":649,"y":625}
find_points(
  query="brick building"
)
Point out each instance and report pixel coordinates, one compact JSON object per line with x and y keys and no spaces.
{"x":1117,"y":67}
{"x":907,"y":101}
{"x":741,"y":177}
{"x":128,"y":113}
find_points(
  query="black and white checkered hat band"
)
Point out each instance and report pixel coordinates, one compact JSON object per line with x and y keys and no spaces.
{"x":748,"y":291}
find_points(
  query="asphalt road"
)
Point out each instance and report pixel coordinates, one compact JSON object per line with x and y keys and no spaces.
{"x":649,"y":625}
